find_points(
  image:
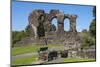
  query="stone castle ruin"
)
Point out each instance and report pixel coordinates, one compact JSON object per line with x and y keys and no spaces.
{"x":40,"y":17}
{"x":58,"y":36}
{"x":43,"y":32}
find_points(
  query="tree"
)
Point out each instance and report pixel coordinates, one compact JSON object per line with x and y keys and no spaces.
{"x":18,"y":36}
{"x":92,"y":28}
{"x":41,"y":30}
{"x":84,"y":30}
{"x":27,"y":30}
{"x":87,"y":40}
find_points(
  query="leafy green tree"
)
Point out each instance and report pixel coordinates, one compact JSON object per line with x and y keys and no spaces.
{"x":89,"y":38}
{"x":41,"y":30}
{"x":92,"y":28}
{"x":27,"y":30}
{"x":18,"y":36}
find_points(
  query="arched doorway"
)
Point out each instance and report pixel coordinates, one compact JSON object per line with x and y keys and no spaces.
{"x":54,"y":24}
{"x":66,"y":25}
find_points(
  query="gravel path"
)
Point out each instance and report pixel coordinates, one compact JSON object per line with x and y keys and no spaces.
{"x":23,"y":55}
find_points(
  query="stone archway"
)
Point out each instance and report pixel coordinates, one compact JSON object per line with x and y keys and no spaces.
{"x":54,"y":22}
{"x":66,"y":25}
{"x":52,"y":15}
{"x":72,"y":20}
{"x":46,"y":19}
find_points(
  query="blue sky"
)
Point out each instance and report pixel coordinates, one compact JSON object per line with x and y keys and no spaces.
{"x":21,"y":11}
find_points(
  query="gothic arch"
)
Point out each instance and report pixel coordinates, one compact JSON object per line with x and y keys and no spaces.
{"x":39,"y":16}
{"x":66,"y":24}
{"x":54,"y":22}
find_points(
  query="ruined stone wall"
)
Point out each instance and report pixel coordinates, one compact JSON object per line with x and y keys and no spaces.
{"x":40,"y":16}
{"x":70,"y":38}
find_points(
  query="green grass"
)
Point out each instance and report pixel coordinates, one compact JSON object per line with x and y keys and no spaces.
{"x":29,"y":60}
{"x":29,"y":48}
{"x":24,"y":61}
{"x":78,"y":59}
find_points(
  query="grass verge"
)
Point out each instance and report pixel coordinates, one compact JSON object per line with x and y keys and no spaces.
{"x":29,"y":48}
{"x":78,"y":59}
{"x":24,"y":61}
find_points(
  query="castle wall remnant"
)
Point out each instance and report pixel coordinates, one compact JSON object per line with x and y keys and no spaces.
{"x":40,"y":17}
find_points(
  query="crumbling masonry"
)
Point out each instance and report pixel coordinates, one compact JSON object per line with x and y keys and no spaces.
{"x":39,"y":16}
{"x":70,"y":38}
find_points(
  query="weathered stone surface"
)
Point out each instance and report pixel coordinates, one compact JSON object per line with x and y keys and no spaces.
{"x":59,"y":36}
{"x":39,"y":16}
{"x":72,"y":19}
{"x":35,"y":18}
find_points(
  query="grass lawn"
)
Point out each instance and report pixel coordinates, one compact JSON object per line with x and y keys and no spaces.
{"x":78,"y":59}
{"x":29,"y":60}
{"x":29,"y":48}
{"x":24,"y":61}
